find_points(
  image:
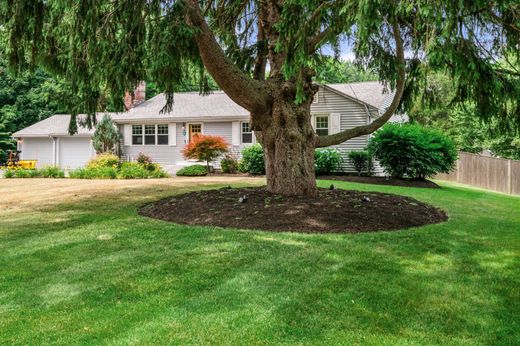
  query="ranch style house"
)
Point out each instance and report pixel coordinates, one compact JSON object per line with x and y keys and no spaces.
{"x":145,"y":129}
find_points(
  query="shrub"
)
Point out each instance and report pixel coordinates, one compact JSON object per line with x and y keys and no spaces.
{"x":94,"y":173}
{"x":9,"y":173}
{"x":326,"y":161}
{"x":106,"y":138}
{"x":192,"y":171}
{"x":132,"y":170}
{"x":229,"y":164}
{"x":22,"y":173}
{"x":158,"y":172}
{"x":104,"y":160}
{"x":51,"y":172}
{"x":361,"y":160}
{"x":145,"y":161}
{"x":407,"y":150}
{"x":205,"y":148}
{"x":252,"y":160}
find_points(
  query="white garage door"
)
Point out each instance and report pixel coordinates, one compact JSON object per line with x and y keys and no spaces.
{"x":39,"y":149}
{"x":74,"y":152}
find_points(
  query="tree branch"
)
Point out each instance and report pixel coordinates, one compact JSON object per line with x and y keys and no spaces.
{"x":325,"y":141}
{"x":251,"y":94}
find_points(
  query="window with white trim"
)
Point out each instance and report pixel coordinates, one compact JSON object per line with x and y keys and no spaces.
{"x":149,"y":134}
{"x":247,"y":134}
{"x":137,"y":134}
{"x":322,"y":125}
{"x":162,"y":134}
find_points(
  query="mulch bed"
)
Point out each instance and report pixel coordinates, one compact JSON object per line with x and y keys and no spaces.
{"x":383,"y":181}
{"x":333,"y":211}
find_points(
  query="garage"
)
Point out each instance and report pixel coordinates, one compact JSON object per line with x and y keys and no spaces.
{"x":39,"y":149}
{"x":74,"y":152}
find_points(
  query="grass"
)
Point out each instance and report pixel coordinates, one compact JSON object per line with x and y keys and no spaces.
{"x":78,"y":266}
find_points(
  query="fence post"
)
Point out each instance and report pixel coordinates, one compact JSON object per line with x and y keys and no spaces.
{"x":509,"y":177}
{"x":458,"y":169}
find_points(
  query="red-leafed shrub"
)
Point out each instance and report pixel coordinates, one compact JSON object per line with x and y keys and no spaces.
{"x":205,"y":148}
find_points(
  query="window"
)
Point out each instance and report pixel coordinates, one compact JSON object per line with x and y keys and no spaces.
{"x":247,"y":134}
{"x":322,"y":126}
{"x":137,"y":134}
{"x":149,"y":134}
{"x":162,"y":134}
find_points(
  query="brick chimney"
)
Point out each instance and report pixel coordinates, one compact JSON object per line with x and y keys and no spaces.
{"x":138,"y":96}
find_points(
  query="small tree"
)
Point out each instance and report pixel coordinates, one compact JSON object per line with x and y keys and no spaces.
{"x":361,"y":160}
{"x":205,"y":148}
{"x":106,"y":137}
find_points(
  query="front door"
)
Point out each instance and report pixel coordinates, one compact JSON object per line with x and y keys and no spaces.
{"x":194,"y":129}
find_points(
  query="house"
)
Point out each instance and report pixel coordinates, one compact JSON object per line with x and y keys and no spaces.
{"x":162,"y":136}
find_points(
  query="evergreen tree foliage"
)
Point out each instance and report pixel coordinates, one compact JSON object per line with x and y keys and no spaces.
{"x":106,"y":138}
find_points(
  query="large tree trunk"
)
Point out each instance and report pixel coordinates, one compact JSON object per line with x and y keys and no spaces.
{"x":288,"y":140}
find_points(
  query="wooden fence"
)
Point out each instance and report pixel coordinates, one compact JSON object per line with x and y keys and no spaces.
{"x":486,"y":172}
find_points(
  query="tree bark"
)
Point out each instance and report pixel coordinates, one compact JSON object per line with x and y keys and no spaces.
{"x":288,"y":140}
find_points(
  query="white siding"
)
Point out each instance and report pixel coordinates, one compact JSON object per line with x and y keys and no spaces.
{"x":74,"y":152}
{"x":352,"y":114}
{"x":39,"y":149}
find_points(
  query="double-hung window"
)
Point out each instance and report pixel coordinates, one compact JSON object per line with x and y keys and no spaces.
{"x":322,"y":125}
{"x":162,"y":134}
{"x":149,"y":134}
{"x":137,"y":134}
{"x":247,"y":134}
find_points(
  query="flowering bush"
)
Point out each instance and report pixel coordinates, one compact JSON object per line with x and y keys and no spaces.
{"x":145,"y":161}
{"x":104,"y":160}
{"x":205,"y":148}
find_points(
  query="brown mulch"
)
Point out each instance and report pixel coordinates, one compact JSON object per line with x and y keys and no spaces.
{"x":383,"y":181}
{"x":333,"y":211}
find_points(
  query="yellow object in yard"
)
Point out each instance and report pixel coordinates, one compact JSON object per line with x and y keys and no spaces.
{"x":27,"y":164}
{"x":21,"y":164}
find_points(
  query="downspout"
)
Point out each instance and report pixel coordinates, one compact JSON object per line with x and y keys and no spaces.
{"x":53,"y":150}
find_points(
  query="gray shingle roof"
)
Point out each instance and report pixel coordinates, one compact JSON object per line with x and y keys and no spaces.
{"x":186,"y":105}
{"x":372,"y":93}
{"x":57,"y":125}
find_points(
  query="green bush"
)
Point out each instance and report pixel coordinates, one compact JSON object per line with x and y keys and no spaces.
{"x":361,"y":160}
{"x":158,"y":172}
{"x":94,"y":173}
{"x":22,"y":173}
{"x":51,"y":172}
{"x":412,"y":151}
{"x":326,"y":161}
{"x":104,"y":160}
{"x":9,"y":173}
{"x":229,"y":164}
{"x":252,"y":160}
{"x":132,"y":170}
{"x":192,"y":171}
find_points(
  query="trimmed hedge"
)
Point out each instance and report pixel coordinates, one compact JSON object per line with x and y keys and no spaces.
{"x":412,"y":151}
{"x":192,"y":171}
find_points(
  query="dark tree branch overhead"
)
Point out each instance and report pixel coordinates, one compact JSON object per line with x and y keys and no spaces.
{"x":244,"y":90}
{"x":340,"y":137}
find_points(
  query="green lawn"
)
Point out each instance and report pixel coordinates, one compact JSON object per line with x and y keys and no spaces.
{"x":89,"y":270}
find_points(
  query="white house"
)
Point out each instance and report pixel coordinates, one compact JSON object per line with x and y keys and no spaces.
{"x":163,"y":135}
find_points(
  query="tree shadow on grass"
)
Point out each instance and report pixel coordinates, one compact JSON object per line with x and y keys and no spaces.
{"x":102,"y":273}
